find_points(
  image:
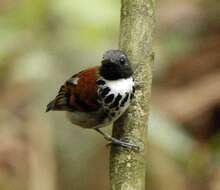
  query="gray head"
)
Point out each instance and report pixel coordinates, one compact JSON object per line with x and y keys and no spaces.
{"x":115,"y":65}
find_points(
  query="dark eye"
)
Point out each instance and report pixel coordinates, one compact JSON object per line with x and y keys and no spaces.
{"x":122,"y":60}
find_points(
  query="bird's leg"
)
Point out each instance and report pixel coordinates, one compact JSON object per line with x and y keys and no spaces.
{"x":116,"y":141}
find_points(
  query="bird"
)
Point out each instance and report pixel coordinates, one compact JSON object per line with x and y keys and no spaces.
{"x":98,"y":96}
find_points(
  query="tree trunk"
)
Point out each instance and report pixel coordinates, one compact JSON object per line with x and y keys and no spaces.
{"x":127,"y":167}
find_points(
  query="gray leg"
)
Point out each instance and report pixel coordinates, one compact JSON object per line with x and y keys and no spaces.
{"x":116,"y":141}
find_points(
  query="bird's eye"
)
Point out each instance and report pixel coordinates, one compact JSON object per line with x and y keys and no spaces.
{"x":122,"y":60}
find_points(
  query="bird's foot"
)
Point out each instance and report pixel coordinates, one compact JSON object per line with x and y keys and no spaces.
{"x":114,"y":141}
{"x":124,"y":144}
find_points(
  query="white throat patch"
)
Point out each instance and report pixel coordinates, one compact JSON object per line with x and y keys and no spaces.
{"x":121,"y":85}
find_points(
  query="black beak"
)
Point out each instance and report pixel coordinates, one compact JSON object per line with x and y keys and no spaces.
{"x":104,"y":61}
{"x":107,"y":62}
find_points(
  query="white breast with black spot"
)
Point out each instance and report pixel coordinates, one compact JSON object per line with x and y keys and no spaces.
{"x":115,"y":96}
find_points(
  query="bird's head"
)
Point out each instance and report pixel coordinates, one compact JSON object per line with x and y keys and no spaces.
{"x":115,"y":65}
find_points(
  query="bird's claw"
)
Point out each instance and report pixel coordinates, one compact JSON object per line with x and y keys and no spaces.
{"x":123,"y":144}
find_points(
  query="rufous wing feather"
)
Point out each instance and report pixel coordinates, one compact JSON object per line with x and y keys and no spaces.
{"x":79,"y":93}
{"x":61,"y":100}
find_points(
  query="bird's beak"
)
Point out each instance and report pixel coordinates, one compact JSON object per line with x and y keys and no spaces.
{"x":105,"y":61}
{"x":108,"y":62}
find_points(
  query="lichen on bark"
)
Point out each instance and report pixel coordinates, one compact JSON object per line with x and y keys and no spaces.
{"x":127,"y":167}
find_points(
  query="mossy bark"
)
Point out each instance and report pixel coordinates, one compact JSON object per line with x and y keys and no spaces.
{"x":128,"y":167}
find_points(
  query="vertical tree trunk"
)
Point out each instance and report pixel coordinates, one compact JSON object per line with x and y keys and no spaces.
{"x":127,"y":167}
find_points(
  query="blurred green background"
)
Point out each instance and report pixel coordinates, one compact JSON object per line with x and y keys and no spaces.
{"x":43,"y":42}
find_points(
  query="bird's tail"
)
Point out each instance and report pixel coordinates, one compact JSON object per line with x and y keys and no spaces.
{"x":61,"y":102}
{"x":51,"y":106}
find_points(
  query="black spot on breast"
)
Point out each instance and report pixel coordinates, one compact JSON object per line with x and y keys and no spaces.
{"x":100,"y":82}
{"x":133,"y":89}
{"x":107,"y":111}
{"x":104,"y":92}
{"x":116,"y":102}
{"x":113,"y":114}
{"x":117,"y":108}
{"x":124,"y":100}
{"x":109,"y":98}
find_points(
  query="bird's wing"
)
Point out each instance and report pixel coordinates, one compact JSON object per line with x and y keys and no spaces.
{"x":79,"y":93}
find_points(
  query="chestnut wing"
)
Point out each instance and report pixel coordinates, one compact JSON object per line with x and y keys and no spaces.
{"x":79,"y":93}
